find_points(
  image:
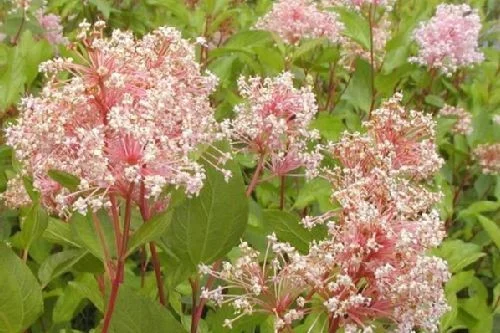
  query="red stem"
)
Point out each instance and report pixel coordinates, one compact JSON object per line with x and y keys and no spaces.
{"x":282,"y":192}
{"x":155,"y":260}
{"x":198,"y":309}
{"x":256,"y":175}
{"x":333,"y":324}
{"x":118,"y":279}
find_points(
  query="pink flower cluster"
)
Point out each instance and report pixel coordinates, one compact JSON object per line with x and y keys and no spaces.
{"x":359,"y":4}
{"x":450,"y":39}
{"x":53,"y":30}
{"x":488,"y":158}
{"x":373,"y":265}
{"x":128,"y":118}
{"x":294,"y":20}
{"x":273,"y":123}
{"x":463,"y":124}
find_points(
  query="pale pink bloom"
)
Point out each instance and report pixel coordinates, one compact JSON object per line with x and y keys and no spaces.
{"x":373,"y":264}
{"x":488,"y":157}
{"x":23,"y":5}
{"x":132,"y":113}
{"x":449,"y":40}
{"x":385,"y":225}
{"x":406,"y":138}
{"x":359,"y":4}
{"x":53,"y":30}
{"x":463,"y":124}
{"x":15,"y":195}
{"x":273,"y":123}
{"x":294,"y":20}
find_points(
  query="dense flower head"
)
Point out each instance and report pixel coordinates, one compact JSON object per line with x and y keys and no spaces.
{"x":488,"y":158}
{"x":373,"y":264}
{"x":450,"y":39}
{"x":463,"y":124}
{"x":294,"y":20}
{"x":273,"y":122}
{"x":53,"y":30}
{"x":359,"y":4}
{"x":132,"y":111}
{"x":375,"y":257}
{"x":401,"y":141}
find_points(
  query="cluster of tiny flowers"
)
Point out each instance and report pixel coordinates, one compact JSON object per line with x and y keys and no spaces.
{"x":132,"y":112}
{"x":360,"y":4}
{"x":260,"y":288}
{"x":450,"y":39}
{"x":294,"y":20}
{"x":273,"y":123}
{"x":15,"y":195}
{"x":373,"y":264}
{"x":52,"y":28}
{"x":488,"y":157}
{"x":463,"y":124}
{"x":22,"y":5}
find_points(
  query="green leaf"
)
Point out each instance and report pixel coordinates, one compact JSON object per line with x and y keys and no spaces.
{"x":356,"y":26}
{"x":150,"y":231}
{"x":491,"y":228}
{"x":435,"y":100}
{"x":479,"y":207}
{"x":135,"y":313}
{"x":33,"y":225}
{"x":84,"y":233}
{"x":65,"y":179}
{"x":358,"y":93}
{"x":21,"y":297}
{"x":58,"y":264}
{"x":66,"y":305}
{"x":206,"y":227}
{"x":289,"y":229}
{"x":307,"y":47}
{"x":329,"y":126}
{"x":86,"y":285}
{"x":103,"y":6}
{"x":247,"y":39}
{"x":59,"y":232}
{"x":459,"y":254}
{"x":315,"y":190}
